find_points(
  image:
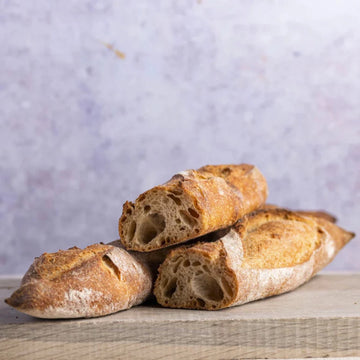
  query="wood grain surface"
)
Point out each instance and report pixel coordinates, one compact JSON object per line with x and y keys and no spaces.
{"x":321,"y":319}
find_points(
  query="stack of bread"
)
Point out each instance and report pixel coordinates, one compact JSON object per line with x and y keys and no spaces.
{"x":203,"y":240}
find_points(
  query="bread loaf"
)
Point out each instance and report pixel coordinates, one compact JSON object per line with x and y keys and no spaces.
{"x":103,"y":279}
{"x":191,"y":204}
{"x":98,"y":280}
{"x":267,"y":252}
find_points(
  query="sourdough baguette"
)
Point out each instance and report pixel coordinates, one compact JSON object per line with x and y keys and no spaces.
{"x":98,"y":280}
{"x":191,"y":204}
{"x":267,"y":252}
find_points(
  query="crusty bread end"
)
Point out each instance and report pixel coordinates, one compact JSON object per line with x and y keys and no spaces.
{"x":98,"y":280}
{"x":191,"y":204}
{"x":268,"y":252}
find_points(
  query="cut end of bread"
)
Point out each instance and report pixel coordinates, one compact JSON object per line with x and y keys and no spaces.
{"x":194,"y":282}
{"x":192,"y":203}
{"x":158,"y":219}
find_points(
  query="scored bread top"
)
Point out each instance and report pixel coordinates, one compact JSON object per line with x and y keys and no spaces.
{"x":53,"y":266}
{"x":191,"y":204}
{"x":98,"y":280}
{"x":311,"y":213}
{"x":277,"y":238}
{"x":266,"y":253}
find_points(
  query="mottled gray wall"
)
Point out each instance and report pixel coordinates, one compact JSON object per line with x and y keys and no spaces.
{"x":85,"y":126}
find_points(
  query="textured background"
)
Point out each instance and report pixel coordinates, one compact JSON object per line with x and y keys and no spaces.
{"x":101,"y":100}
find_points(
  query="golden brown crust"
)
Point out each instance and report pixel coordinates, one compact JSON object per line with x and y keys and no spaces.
{"x":314,"y":213}
{"x":192,"y":203}
{"x":318,"y":214}
{"x":276,"y":238}
{"x":98,"y":280}
{"x":268,"y":252}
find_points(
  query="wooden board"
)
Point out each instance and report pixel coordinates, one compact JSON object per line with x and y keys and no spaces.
{"x":320,"y":319}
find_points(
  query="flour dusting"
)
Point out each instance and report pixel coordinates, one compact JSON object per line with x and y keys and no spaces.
{"x":83,"y":297}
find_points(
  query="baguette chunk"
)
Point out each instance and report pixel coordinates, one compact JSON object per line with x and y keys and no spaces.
{"x":266,"y":253}
{"x":191,"y":204}
{"x":98,"y":280}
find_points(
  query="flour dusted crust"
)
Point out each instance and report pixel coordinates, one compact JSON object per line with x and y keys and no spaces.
{"x":267,"y":252}
{"x":191,"y":204}
{"x":98,"y":280}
